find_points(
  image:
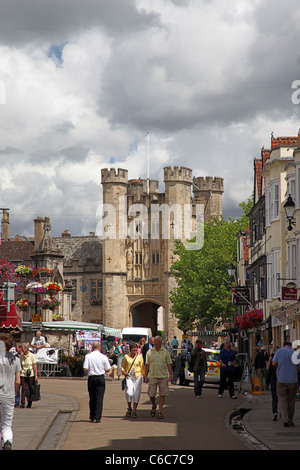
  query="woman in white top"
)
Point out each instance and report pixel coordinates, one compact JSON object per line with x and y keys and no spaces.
{"x":133,"y":369}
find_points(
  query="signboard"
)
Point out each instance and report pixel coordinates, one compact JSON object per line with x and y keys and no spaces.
{"x":289,"y":293}
{"x":85,"y":339}
{"x":241,"y":295}
{"x":47,"y":356}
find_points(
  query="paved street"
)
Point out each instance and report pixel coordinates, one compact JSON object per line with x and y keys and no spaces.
{"x":188,"y":423}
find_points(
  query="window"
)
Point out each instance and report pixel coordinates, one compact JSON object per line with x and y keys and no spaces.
{"x":138,"y":258}
{"x":292,"y":262}
{"x":273,"y":275}
{"x":155,"y":258}
{"x":272,"y":205}
{"x":74,"y":291}
{"x":276,"y":201}
{"x":96,"y":289}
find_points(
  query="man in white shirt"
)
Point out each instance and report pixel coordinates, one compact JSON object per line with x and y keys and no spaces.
{"x":96,"y":365}
{"x":38,"y":342}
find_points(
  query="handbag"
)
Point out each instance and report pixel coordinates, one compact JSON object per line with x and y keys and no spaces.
{"x":35,"y":391}
{"x":123,"y":384}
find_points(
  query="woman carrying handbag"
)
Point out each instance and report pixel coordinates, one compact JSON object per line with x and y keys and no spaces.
{"x":133,"y":369}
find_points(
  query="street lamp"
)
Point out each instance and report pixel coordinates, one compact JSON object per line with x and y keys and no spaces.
{"x":289,"y":208}
{"x":231,"y":270}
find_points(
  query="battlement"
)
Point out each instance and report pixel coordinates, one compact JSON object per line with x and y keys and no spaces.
{"x":114,"y":176}
{"x":208,"y":183}
{"x":179,"y":174}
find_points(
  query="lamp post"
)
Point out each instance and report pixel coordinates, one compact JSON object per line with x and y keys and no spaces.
{"x":231,"y":270}
{"x":289,"y":208}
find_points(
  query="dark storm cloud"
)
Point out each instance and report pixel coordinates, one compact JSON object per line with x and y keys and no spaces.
{"x":32,"y":20}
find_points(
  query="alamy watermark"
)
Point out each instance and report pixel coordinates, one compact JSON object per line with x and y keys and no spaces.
{"x":2,"y":92}
{"x":139,"y":221}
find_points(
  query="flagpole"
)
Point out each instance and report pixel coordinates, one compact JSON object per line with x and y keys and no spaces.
{"x":148,"y":185}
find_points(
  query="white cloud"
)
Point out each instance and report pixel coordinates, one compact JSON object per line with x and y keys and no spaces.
{"x":210,"y":81}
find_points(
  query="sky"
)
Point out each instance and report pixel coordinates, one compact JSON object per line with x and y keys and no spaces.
{"x":82,"y":83}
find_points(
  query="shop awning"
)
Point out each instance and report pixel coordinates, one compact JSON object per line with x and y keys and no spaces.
{"x":10,"y":321}
{"x":107,"y":331}
{"x":66,"y":325}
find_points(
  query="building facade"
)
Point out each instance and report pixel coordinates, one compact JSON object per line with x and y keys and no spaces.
{"x":274,"y":246}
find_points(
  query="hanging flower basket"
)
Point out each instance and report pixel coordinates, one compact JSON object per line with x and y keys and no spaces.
{"x":35,"y":288}
{"x":44,"y":272}
{"x":24,"y":304}
{"x":57,"y":317}
{"x":52,"y":288}
{"x":7,"y":271}
{"x":249,"y":319}
{"x":24,"y":271}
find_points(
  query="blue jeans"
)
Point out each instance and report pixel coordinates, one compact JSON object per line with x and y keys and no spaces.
{"x":199,"y":379}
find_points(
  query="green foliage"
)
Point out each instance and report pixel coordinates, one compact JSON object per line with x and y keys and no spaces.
{"x":202,"y":296}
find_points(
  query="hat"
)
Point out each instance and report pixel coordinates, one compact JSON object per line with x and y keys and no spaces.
{"x":296,"y":344}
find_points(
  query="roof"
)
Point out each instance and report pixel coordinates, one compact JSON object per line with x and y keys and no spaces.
{"x":17,"y":251}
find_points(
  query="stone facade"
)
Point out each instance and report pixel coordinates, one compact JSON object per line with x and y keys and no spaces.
{"x":138,"y":244}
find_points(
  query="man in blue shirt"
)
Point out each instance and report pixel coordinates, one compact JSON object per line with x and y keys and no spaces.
{"x":287,"y":382}
{"x":227,"y":361}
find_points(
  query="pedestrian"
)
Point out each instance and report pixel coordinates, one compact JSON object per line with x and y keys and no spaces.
{"x":159,"y":367}
{"x":174,"y":342}
{"x":271,"y":381}
{"x":141,"y":345}
{"x":189,"y":346}
{"x":119,"y":355}
{"x":198,"y":364}
{"x":9,"y":384}
{"x":287,"y":382}
{"x":38,"y":342}
{"x":18,"y":348}
{"x":96,"y":365}
{"x":260,"y":365}
{"x":125,"y":347}
{"x":227,"y":360}
{"x":146,"y":347}
{"x":184,"y":344}
{"x":133,"y":369}
{"x":28,"y":374}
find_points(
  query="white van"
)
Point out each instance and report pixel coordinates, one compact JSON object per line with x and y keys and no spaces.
{"x":136,"y":333}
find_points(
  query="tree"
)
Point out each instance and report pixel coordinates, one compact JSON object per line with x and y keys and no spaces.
{"x":201,"y":296}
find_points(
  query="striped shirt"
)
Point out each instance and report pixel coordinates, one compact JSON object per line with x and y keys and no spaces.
{"x":158,"y":362}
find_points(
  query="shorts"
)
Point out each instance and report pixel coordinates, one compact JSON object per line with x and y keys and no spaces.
{"x":162,"y":384}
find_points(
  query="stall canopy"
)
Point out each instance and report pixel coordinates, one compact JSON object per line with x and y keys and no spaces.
{"x":10,"y":321}
{"x":66,"y":325}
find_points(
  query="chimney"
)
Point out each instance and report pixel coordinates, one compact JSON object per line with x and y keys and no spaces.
{"x":5,"y":223}
{"x":38,"y":231}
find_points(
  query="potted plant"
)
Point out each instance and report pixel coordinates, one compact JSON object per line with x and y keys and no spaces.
{"x":96,"y":302}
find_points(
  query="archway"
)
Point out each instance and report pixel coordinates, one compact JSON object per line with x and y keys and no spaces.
{"x":145,"y":314}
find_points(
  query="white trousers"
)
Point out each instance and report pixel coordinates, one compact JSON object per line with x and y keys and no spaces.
{"x":6,"y":419}
{"x":133,"y":388}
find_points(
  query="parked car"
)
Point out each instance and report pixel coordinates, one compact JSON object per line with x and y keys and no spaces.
{"x":213,"y":368}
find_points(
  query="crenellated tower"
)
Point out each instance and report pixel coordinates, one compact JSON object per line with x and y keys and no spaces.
{"x":140,"y":227}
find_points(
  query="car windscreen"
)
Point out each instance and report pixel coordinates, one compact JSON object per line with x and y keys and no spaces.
{"x":212,"y":356}
{"x":133,"y":338}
